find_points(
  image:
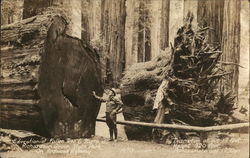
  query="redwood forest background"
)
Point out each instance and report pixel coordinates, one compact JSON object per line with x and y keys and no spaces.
{"x":129,"y":31}
{"x":162,"y":57}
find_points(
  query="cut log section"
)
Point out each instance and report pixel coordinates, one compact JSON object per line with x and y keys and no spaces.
{"x":47,"y":79}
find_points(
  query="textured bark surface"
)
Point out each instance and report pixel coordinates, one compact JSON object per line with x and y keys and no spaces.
{"x":21,"y":49}
{"x":175,"y":17}
{"x":164,"y":30}
{"x":211,"y":15}
{"x":144,"y":32}
{"x":231,"y":43}
{"x":113,"y":30}
{"x":244,"y":55}
{"x":47,"y":78}
{"x":138,"y":89}
{"x":131,"y":29}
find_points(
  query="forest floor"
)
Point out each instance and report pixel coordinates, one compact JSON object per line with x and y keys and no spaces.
{"x":99,"y":147}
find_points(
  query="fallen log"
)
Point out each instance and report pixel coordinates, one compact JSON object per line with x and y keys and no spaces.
{"x":138,"y":89}
{"x":47,"y":79}
{"x":182,"y":127}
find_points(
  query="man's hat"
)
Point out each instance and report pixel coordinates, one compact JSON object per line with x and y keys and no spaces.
{"x":113,"y":91}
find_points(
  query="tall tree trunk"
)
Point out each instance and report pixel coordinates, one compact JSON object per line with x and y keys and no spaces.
{"x":176,"y":13}
{"x":164,"y":30}
{"x":155,"y":23}
{"x":244,"y":54}
{"x":231,"y":43}
{"x":144,"y":42}
{"x":131,"y":35}
{"x":141,"y":33}
{"x":104,"y":28}
{"x":94,"y":19}
{"x":147,"y":29}
{"x":113,"y":30}
{"x":191,"y":6}
{"x":73,"y":12}
{"x":85,"y":20}
{"x":211,"y":15}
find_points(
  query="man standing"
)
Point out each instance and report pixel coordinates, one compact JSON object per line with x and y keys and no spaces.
{"x":113,"y":105}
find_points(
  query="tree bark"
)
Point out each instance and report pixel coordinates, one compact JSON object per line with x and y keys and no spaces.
{"x":147,"y":29}
{"x":138,"y":89}
{"x":73,"y":10}
{"x":155,"y":24}
{"x":85,"y":20}
{"x":211,"y":15}
{"x":191,"y":6}
{"x":231,"y":43}
{"x":164,"y":35}
{"x":131,"y":29}
{"x":176,"y":13}
{"x":113,"y":30}
{"x":47,"y":79}
{"x":144,"y":32}
{"x":244,"y":54}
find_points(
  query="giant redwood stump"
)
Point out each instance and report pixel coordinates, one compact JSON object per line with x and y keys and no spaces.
{"x":47,"y":79}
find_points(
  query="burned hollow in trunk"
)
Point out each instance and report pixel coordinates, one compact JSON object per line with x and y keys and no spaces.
{"x":47,"y":79}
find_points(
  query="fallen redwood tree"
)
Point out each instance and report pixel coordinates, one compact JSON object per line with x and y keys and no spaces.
{"x":47,"y":79}
{"x":138,"y":89}
{"x":184,"y":87}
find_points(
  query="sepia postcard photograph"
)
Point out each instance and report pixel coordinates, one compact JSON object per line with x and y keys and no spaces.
{"x":124,"y":78}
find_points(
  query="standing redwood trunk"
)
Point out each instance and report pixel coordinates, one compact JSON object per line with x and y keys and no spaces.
{"x":131,"y":36}
{"x":164,"y":39}
{"x":113,"y":31}
{"x":155,"y":19}
{"x":144,"y":42}
{"x":85,"y":21}
{"x":147,"y":29}
{"x":244,"y":54}
{"x":47,"y":79}
{"x":176,"y":13}
{"x":231,"y":43}
{"x":191,"y":6}
{"x":210,"y":14}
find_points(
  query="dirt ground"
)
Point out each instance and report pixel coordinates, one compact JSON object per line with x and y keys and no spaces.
{"x":99,"y":147}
